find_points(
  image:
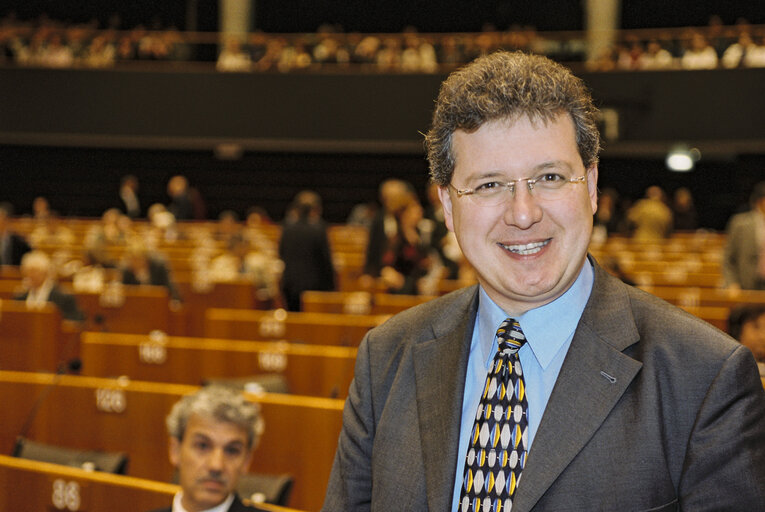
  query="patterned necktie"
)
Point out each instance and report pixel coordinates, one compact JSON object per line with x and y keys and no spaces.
{"x":497,"y":450}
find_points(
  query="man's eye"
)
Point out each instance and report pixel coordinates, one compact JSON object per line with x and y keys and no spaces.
{"x":234,"y":451}
{"x":550,"y":177}
{"x":488,"y":187}
{"x":201,"y":445}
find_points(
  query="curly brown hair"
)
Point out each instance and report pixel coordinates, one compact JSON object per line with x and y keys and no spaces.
{"x":506,"y":85}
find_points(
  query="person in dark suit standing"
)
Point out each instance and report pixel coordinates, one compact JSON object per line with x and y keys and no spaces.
{"x":549,"y":385}
{"x":12,"y":245}
{"x":304,"y":249}
{"x":130,"y":205}
{"x":181,"y":203}
{"x":213,"y":433}
{"x":743,"y":262}
{"x":41,"y":287}
{"x":395,"y":195}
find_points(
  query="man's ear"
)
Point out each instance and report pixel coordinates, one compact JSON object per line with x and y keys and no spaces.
{"x":592,"y":186}
{"x":174,"y":451}
{"x":249,"y":460}
{"x":446,"y":202}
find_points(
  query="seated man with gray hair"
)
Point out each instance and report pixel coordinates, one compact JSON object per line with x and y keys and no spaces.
{"x":213,"y":433}
{"x":40,"y":287}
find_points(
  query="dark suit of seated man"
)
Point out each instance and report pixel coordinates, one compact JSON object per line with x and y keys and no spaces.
{"x":42,"y":287}
{"x":141,"y":267}
{"x":213,"y":433}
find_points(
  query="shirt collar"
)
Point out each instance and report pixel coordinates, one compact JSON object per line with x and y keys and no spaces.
{"x":546,"y":328}
{"x":223,"y":507}
{"x":40,"y":295}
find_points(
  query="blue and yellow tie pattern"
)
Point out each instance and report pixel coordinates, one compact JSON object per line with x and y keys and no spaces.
{"x":497,"y":451}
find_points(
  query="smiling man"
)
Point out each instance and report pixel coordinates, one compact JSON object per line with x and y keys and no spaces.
{"x":551,"y":385}
{"x":212,"y":435}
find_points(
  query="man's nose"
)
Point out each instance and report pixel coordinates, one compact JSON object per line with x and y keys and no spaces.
{"x":215,"y":460}
{"x":522,"y":209}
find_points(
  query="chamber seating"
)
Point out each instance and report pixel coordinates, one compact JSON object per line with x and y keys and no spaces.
{"x":312,"y":370}
{"x":120,"y":415}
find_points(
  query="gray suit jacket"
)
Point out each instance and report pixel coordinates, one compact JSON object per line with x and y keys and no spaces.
{"x":742,"y":252}
{"x":681,"y":427}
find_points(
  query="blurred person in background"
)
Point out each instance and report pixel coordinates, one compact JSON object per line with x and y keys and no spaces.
{"x":233,"y":57}
{"x":12,"y":245}
{"x":699,"y":54}
{"x":227,"y":226}
{"x":181,"y":204}
{"x":746,"y":323}
{"x":438,"y":237}
{"x":394,"y":195}
{"x":685,"y":217}
{"x":41,"y":287}
{"x":650,"y":217}
{"x":241,"y":261}
{"x":406,"y":259}
{"x":128,"y":197}
{"x":139,"y":267}
{"x":51,"y":231}
{"x":743,"y":262}
{"x":304,"y":249}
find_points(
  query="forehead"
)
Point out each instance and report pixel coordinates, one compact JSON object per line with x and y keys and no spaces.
{"x":517,"y":144}
{"x":221,"y":432}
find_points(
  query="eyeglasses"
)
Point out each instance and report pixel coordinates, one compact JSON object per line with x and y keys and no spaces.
{"x":547,"y":186}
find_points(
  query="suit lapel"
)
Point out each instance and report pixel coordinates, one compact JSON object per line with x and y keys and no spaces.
{"x":439,"y":367}
{"x":594,"y":376}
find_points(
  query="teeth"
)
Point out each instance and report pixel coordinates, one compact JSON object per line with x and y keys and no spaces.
{"x":526,"y":249}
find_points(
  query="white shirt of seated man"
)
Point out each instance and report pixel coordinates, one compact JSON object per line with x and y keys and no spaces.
{"x":38,"y":297}
{"x":223,"y":507}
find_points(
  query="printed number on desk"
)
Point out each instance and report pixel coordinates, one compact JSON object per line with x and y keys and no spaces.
{"x":66,"y":495}
{"x":111,"y":400}
{"x":152,"y":353}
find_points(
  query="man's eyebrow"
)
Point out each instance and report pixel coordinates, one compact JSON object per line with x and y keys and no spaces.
{"x":492,"y":174}
{"x":482,"y":175}
{"x":552,"y":164}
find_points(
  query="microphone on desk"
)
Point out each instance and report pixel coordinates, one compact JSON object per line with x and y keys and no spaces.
{"x":63,"y":368}
{"x":72,"y":366}
{"x":100,"y":322}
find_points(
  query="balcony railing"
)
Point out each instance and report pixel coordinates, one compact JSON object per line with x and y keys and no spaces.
{"x":55,"y":45}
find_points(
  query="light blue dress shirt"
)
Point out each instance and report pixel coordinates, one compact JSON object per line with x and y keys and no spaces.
{"x":549,"y":330}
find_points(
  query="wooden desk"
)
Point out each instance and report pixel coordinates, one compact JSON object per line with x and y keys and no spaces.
{"x":238,"y":294}
{"x":311,"y":328}
{"x":314,"y":370}
{"x":700,"y":296}
{"x":10,"y":286}
{"x":359,"y":303}
{"x":42,"y":486}
{"x":145,"y":309}
{"x":676,"y":278}
{"x":34,"y":340}
{"x":128,"y":416}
